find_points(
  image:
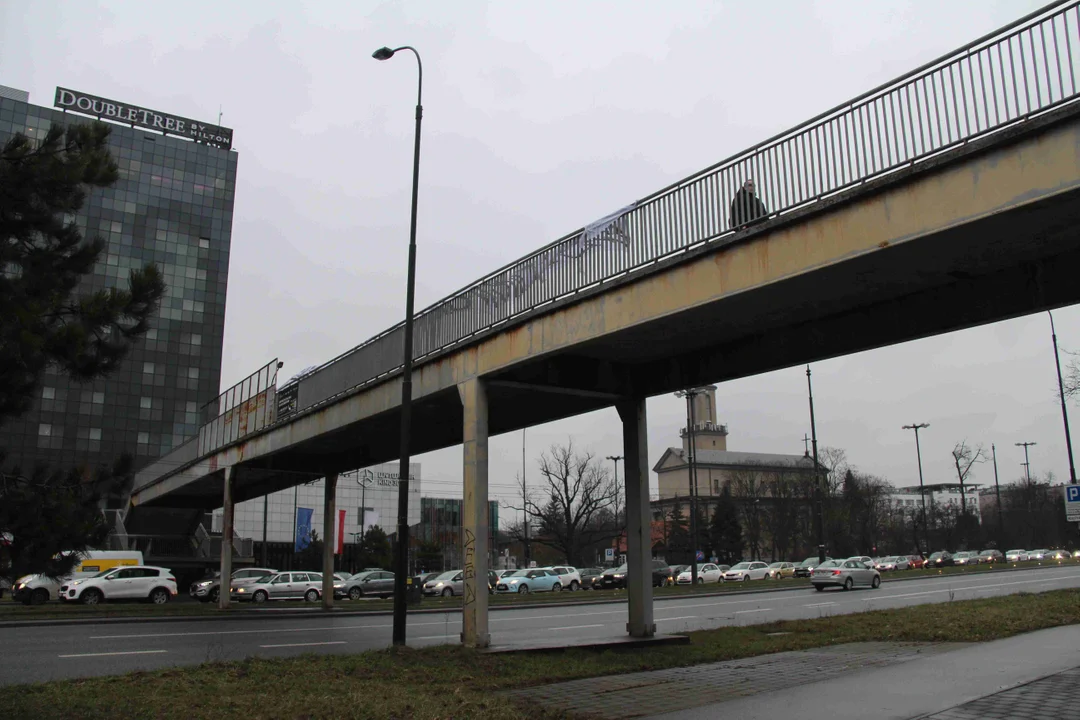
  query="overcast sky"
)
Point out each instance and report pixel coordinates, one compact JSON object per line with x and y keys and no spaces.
{"x":538,"y":118}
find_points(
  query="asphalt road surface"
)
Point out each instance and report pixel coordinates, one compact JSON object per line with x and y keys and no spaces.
{"x":34,"y":654}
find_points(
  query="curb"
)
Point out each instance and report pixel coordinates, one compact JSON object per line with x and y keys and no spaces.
{"x":314,"y":612}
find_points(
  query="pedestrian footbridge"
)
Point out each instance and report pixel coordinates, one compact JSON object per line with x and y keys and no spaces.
{"x":945,"y":199}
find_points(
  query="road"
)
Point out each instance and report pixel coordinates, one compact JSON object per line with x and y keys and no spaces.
{"x":33,"y":654}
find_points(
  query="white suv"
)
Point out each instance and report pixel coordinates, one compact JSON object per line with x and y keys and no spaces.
{"x":133,"y":582}
{"x":569,"y":577}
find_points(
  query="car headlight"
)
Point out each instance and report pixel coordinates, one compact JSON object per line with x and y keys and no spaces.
{"x":77,"y":582}
{"x":24,"y":579}
{"x":240,"y":590}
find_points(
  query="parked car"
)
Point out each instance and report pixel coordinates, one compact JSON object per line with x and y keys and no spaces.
{"x":1058,"y":555}
{"x":807,"y":566}
{"x":966,"y":557}
{"x":505,"y":573}
{"x":741,"y":572}
{"x":569,"y":577}
{"x":891,"y":562}
{"x":781,"y":570}
{"x":706,"y":573}
{"x":447,"y":584}
{"x":673,"y":573}
{"x":916,"y":562}
{"x":616,"y":577}
{"x":281,"y":586}
{"x":133,"y":582}
{"x":589,"y":577}
{"x":530,"y":580}
{"x":371,"y":582}
{"x":864,"y":559}
{"x":991,"y":556}
{"x":940,"y":559}
{"x":846,"y":574}
{"x":1038,"y":554}
{"x":1076,"y":554}
{"x":38,"y":589}
{"x":208,"y":589}
{"x":1014,"y":556}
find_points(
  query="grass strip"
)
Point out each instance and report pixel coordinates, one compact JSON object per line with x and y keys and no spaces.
{"x":453,"y":682}
{"x":12,"y":611}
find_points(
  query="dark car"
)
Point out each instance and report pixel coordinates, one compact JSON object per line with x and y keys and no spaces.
{"x":673,"y":573}
{"x":590,"y":577}
{"x":616,"y":577}
{"x":940,"y":560}
{"x":806,"y":567}
{"x":991,"y":556}
{"x":493,"y":580}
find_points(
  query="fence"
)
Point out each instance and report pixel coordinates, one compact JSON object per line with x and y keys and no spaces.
{"x":246,"y":407}
{"x":1019,"y":71}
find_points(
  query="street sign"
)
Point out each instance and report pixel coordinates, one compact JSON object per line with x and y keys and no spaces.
{"x":700,"y":555}
{"x":609,"y":553}
{"x":1072,"y":503}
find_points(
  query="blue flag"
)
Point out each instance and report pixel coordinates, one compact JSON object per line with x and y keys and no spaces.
{"x":303,"y":528}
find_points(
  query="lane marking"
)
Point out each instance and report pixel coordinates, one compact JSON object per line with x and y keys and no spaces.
{"x":252,"y":632}
{"x":438,"y":637}
{"x":332,"y":642}
{"x":575,"y":627}
{"x":684,"y":617}
{"x":740,"y":612}
{"x":110,"y":654}
{"x":820,"y":604}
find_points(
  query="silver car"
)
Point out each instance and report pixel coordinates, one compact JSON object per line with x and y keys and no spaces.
{"x":281,"y":586}
{"x":372,"y":582}
{"x":451,"y":582}
{"x":844,"y":573}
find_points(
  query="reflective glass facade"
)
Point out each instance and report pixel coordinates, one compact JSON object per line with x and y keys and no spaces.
{"x":172,"y":206}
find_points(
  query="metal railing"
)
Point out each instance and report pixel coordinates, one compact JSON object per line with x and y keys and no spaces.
{"x":1021,"y":70}
{"x":246,"y":407}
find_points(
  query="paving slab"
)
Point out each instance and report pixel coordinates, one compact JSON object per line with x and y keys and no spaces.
{"x":1056,"y":697}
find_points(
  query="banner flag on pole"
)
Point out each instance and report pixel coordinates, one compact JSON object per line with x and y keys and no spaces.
{"x":303,"y":528}
{"x":340,"y":532}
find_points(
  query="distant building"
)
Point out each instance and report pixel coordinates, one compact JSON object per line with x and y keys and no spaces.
{"x":941,"y":495}
{"x":717,"y":466}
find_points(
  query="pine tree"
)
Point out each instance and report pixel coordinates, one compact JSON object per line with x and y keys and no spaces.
{"x":375,"y":551}
{"x":725,"y":531}
{"x":44,"y":319}
{"x":48,"y":319}
{"x":678,"y":543}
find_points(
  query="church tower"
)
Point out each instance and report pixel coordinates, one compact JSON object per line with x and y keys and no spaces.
{"x":708,"y":435}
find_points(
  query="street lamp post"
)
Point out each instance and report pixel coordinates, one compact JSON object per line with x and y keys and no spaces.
{"x":1027,"y":463}
{"x":618,"y":529}
{"x":997,"y":495}
{"x":1061,"y":394}
{"x":817,"y":473}
{"x":401,"y":566}
{"x":690,"y":394}
{"x":922,"y":490}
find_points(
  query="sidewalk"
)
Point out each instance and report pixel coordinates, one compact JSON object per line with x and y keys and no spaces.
{"x":895,"y":681}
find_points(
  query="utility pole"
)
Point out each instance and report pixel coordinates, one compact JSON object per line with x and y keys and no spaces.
{"x":618,"y":528}
{"x":997,"y":493}
{"x":922,"y":489}
{"x":690,"y":394}
{"x":1027,"y":463}
{"x":1061,"y":394}
{"x":817,"y":473}
{"x":524,"y":501}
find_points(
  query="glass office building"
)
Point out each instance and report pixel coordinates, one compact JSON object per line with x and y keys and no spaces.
{"x":172,"y":206}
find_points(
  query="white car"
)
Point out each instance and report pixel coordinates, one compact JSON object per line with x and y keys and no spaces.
{"x":137,"y":582}
{"x":706,"y":573}
{"x":1038,"y":554}
{"x":744,"y":571}
{"x":864,"y":559}
{"x":569,"y":577}
{"x":1016,"y":556}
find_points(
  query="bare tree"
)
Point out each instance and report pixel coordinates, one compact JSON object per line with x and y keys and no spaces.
{"x":574,"y":507}
{"x":964,"y":457}
{"x":747,"y":485}
{"x":1071,"y":381}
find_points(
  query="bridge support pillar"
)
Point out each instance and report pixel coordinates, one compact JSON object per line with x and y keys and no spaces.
{"x":227,"y":508}
{"x":638,"y":520}
{"x":475,"y":530}
{"x":329,"y":540}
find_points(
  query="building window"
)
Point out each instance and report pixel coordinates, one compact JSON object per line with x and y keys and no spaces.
{"x":44,"y":430}
{"x":146,"y":403}
{"x":99,"y":398}
{"x":193,"y":373}
{"x":148,"y":368}
{"x":48,"y":393}
{"x":204,"y":243}
{"x":95,"y":433}
{"x":144,"y":438}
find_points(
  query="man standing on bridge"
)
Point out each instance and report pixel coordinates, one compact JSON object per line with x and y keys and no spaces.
{"x":746,"y":208}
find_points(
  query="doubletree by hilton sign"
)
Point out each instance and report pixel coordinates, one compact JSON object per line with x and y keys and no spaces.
{"x":141,"y":117}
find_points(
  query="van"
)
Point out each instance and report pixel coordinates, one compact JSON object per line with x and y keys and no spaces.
{"x":38,"y":589}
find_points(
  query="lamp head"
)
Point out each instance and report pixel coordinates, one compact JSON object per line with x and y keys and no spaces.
{"x":383,"y":53}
